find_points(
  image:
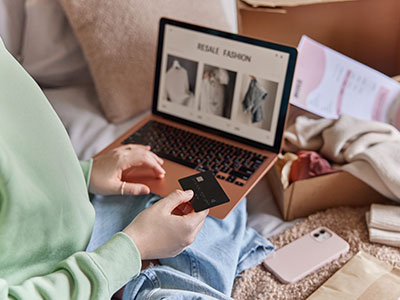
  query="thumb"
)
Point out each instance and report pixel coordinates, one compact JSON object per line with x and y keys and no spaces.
{"x":198,"y":218}
{"x":177,"y":197}
{"x":136,"y":189}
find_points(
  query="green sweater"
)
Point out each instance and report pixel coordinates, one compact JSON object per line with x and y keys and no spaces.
{"x":46,"y":218}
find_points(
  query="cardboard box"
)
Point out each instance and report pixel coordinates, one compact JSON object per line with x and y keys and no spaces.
{"x":365,"y":30}
{"x":308,"y":196}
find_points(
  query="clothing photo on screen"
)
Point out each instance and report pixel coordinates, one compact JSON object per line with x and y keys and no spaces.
{"x":257,"y":97}
{"x":216,"y":91}
{"x":180,"y":80}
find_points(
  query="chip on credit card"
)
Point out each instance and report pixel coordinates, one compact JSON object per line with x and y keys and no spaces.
{"x":207,"y":191}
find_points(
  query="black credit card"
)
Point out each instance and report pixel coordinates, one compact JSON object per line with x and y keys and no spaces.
{"x":207,"y":191}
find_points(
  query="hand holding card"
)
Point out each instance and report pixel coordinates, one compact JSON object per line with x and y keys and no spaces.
{"x":207,"y":191}
{"x":172,"y":233}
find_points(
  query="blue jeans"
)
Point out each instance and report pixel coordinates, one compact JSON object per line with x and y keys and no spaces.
{"x":205,"y":270}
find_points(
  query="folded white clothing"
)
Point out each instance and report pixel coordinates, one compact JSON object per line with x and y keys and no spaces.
{"x":368,"y":150}
{"x":383,"y":223}
{"x":385,"y":217}
{"x":391,"y":238}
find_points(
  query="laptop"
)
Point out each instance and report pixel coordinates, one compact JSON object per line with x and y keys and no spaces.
{"x":219,"y":104}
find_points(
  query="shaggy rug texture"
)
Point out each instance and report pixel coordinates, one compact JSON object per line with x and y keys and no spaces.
{"x":347,"y":222}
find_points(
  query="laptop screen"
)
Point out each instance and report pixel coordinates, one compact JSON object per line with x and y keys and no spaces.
{"x":234,"y":85}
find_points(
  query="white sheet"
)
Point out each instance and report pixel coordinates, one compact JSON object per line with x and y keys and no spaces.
{"x":264,"y":215}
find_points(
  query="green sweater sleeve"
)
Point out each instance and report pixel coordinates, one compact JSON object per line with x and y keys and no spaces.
{"x":86,"y":166}
{"x":83,"y":275}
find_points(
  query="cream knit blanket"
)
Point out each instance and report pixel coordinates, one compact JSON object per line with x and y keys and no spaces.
{"x":368,"y":150}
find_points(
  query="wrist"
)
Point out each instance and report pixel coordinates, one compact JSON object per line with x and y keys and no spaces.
{"x":137,"y":240}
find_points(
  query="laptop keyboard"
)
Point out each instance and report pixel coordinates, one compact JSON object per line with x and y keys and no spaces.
{"x":227,"y":162}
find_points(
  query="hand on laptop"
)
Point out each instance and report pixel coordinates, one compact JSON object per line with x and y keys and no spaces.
{"x":106,"y":177}
{"x":159,"y":233}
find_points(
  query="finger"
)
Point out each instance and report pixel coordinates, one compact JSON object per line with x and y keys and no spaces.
{"x":136,"y":189}
{"x":147,"y":147}
{"x":133,"y":146}
{"x":142,"y":158}
{"x":200,"y":225}
{"x":197,"y":218}
{"x":175,"y":198}
{"x":157,"y":158}
{"x":153,"y":164}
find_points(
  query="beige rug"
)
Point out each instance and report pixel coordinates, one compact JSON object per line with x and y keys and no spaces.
{"x":349,"y":223}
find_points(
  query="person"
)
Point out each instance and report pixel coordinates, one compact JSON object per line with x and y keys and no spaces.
{"x":57,"y":243}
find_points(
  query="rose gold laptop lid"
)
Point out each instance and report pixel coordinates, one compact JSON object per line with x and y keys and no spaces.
{"x":221,"y":86}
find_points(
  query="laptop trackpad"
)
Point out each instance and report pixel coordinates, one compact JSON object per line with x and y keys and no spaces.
{"x":159,"y":186}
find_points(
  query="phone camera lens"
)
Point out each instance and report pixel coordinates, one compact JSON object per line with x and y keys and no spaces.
{"x":316,"y":235}
{"x":322,"y":231}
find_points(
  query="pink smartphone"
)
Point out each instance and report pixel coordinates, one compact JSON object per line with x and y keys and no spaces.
{"x":305,"y":255}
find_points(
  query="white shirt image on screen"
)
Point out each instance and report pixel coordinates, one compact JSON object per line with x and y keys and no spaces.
{"x":177,"y":85}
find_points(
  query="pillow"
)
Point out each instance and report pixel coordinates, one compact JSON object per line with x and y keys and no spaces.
{"x":50,"y":52}
{"x":119,"y":41}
